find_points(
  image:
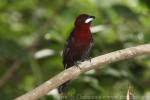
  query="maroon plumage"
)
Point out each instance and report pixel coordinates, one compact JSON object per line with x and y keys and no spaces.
{"x":78,"y":45}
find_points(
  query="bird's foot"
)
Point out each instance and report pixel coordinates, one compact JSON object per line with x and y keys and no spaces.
{"x":88,"y":59}
{"x":77,"y":64}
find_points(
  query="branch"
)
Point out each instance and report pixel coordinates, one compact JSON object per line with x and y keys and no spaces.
{"x":9,"y":73}
{"x":129,"y":94}
{"x":85,"y":66}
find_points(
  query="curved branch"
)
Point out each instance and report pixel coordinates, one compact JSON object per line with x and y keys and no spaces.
{"x":85,"y":66}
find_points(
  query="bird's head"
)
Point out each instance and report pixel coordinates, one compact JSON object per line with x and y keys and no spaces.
{"x":84,"y":20}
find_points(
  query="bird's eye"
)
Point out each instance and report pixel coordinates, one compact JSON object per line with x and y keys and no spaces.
{"x":88,"y":20}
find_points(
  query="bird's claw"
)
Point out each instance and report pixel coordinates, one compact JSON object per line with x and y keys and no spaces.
{"x":89,"y":59}
{"x":77,"y":64}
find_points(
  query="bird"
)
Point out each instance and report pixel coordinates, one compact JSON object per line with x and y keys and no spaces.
{"x":77,"y":46}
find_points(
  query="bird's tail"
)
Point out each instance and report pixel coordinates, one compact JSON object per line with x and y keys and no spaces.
{"x":62,"y":89}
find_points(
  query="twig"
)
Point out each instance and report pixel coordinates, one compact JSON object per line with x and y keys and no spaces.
{"x":85,"y":66}
{"x":9,"y":73}
{"x":129,"y":93}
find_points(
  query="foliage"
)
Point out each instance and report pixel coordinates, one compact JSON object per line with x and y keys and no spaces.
{"x":126,"y":24}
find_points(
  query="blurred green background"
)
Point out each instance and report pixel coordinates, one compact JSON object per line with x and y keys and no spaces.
{"x":33,"y":33}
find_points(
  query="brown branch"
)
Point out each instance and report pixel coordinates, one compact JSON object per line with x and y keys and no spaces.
{"x":9,"y":73}
{"x":85,"y":66}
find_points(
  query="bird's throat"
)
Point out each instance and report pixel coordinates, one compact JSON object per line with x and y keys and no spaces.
{"x":83,"y":34}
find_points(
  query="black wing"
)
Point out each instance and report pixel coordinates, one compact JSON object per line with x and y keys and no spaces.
{"x":67,"y":47}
